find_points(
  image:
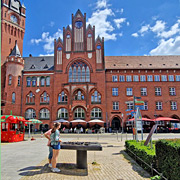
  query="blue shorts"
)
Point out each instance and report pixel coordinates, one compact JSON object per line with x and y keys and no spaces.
{"x":50,"y":152}
{"x":56,"y":146}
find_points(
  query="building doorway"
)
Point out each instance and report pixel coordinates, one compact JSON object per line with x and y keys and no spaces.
{"x":116,"y":125}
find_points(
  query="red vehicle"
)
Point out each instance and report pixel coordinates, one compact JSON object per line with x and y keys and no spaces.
{"x":12,"y":128}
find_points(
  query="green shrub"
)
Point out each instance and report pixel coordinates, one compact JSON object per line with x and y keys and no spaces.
{"x":168,"y":158}
{"x":144,"y":152}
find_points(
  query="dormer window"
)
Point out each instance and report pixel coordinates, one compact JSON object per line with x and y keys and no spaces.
{"x":42,"y":59}
{"x":46,"y":66}
{"x":32,"y":67}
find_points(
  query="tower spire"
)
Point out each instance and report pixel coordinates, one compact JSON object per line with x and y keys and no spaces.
{"x":15,"y":52}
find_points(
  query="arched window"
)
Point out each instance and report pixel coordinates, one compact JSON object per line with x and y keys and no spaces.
{"x":79,"y":113}
{"x":62,"y":97}
{"x":28,"y":81}
{"x":30,"y":98}
{"x":13,"y":97}
{"x":79,"y":72}
{"x":44,"y":97}
{"x":44,"y":114}
{"x":30,"y":114}
{"x":62,"y":113}
{"x":19,"y":80}
{"x":33,"y":81}
{"x":96,"y":97}
{"x":96,"y":113}
{"x":10,"y":80}
{"x":48,"y":81}
{"x":79,"y":95}
{"x":42,"y":81}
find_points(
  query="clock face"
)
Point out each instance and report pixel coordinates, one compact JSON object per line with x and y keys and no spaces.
{"x":78,"y":24}
{"x":13,"y":18}
{"x":59,"y":48}
{"x":98,"y":47}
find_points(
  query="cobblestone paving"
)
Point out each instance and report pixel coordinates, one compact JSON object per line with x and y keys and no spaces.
{"x":111,"y":164}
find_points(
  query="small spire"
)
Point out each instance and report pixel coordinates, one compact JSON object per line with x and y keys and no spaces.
{"x":15,"y":52}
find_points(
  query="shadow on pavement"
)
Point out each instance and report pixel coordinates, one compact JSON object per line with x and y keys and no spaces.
{"x":135,"y":166}
{"x":66,"y":169}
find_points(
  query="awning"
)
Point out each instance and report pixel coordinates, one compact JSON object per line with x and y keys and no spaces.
{"x":143,"y":119}
{"x":95,"y":121}
{"x":78,"y":121}
{"x":165,"y":119}
{"x":62,"y":121}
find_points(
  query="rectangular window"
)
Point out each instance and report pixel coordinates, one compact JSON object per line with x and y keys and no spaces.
{"x":173,"y":105}
{"x":121,"y":78}
{"x":163,"y":78}
{"x":157,"y":91}
{"x":130,"y":106}
{"x":145,"y":105}
{"x":149,"y":78}
{"x":177,"y":77}
{"x":128,"y":78}
{"x":129,"y":91}
{"x":172,"y":91}
{"x":114,"y":78}
{"x":115,"y":91}
{"x":115,"y":105}
{"x":135,"y":78}
{"x":158,"y":105}
{"x":143,"y":91}
{"x":156,"y":78}
{"x":142,"y":78}
{"x":28,"y":81}
{"x":171,"y":78}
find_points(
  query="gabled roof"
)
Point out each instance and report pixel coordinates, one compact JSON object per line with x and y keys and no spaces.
{"x":142,"y":62}
{"x":41,"y":63}
{"x":79,"y":12}
{"x":15,"y":52}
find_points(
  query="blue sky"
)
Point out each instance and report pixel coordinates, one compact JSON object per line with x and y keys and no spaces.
{"x":130,"y":27}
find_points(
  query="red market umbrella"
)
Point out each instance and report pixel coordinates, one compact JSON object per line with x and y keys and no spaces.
{"x":143,"y":119}
{"x":165,"y":119}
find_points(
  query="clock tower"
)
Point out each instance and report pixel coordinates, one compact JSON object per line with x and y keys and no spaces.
{"x":12,"y":26}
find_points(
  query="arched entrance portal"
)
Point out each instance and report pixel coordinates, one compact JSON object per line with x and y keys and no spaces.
{"x":116,"y":125}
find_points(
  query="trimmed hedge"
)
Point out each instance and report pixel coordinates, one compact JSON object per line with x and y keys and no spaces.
{"x":144,"y":152}
{"x":168,"y":158}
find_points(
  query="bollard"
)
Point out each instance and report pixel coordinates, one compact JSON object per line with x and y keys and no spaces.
{"x":117,"y":136}
{"x":41,"y":134}
{"x":121,"y":136}
{"x":126,"y":135}
{"x":78,"y":135}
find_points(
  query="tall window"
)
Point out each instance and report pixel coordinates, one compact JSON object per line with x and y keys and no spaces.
{"x":79,"y":95}
{"x":115,"y":91}
{"x":172,"y":91}
{"x":44,"y":114}
{"x":115,"y":105}
{"x":33,"y":81}
{"x":149,"y":78}
{"x":13,"y":97}
{"x":30,"y":98}
{"x":171,"y":78}
{"x":79,"y":72}
{"x":28,"y":81}
{"x":143,"y":91}
{"x":96,"y":113}
{"x":163,"y":78}
{"x":62,"y":97}
{"x":30,"y":114}
{"x":157,"y":91}
{"x":10,"y":80}
{"x":142,"y":78}
{"x":145,"y":105}
{"x":173,"y":105}
{"x":79,"y":113}
{"x":114,"y":78}
{"x":62,"y":113}
{"x":19,"y":80}
{"x":136,"y":78}
{"x":128,"y":78}
{"x":42,"y":81}
{"x":158,"y":105}
{"x":48,"y":81}
{"x":96,"y":97}
{"x":121,"y":78}
{"x":130,"y":106}
{"x":44,"y":98}
{"x":156,"y":78}
{"x":177,"y":77}
{"x":129,"y":91}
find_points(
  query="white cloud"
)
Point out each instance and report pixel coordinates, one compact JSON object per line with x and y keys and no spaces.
{"x":51,"y":24}
{"x":158,"y":27}
{"x":101,"y":4}
{"x":118,"y":22}
{"x":48,"y":40}
{"x":122,"y":10}
{"x":167,"y":47}
{"x":46,"y":54}
{"x":127,"y":23}
{"x":135,"y":35}
{"x":144,"y":29}
{"x":121,"y":34}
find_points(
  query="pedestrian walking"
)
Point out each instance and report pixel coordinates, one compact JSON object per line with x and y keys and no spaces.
{"x":81,"y":130}
{"x":55,"y":143}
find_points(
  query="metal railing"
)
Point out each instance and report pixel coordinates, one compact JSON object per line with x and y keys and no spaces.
{"x":150,"y":166}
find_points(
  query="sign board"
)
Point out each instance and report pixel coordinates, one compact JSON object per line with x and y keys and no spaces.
{"x":139,"y":120}
{"x":139,"y":125}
